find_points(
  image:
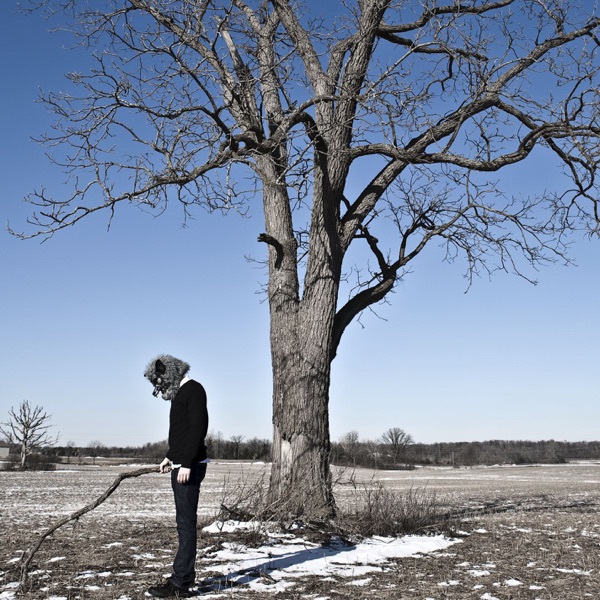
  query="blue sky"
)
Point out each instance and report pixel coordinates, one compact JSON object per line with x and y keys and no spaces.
{"x":84,"y":312}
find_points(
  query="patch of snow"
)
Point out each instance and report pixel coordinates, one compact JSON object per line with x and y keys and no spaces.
{"x":232,"y":526}
{"x":513,"y":582}
{"x":360,"y":582}
{"x":304,"y":558}
{"x":91,"y":574}
{"x":260,"y":586}
{"x":576,"y":571}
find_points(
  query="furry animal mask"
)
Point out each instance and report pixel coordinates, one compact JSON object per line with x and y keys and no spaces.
{"x":165,"y":372}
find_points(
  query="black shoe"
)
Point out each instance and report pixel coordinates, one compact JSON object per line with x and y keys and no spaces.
{"x":170,"y":590}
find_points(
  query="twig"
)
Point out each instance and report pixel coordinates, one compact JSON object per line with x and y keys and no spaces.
{"x":30,"y":553}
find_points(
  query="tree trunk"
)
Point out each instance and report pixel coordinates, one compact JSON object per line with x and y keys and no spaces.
{"x":300,"y":477}
{"x":301,"y":341}
{"x":24,"y":453}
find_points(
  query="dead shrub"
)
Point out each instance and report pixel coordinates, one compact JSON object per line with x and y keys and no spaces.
{"x":243,"y":499}
{"x":374,"y":509}
{"x":371,"y":509}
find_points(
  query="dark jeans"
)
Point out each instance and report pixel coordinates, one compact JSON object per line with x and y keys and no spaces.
{"x":186,"y":506}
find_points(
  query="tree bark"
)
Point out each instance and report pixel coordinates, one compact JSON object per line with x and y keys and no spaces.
{"x":300,"y":482}
{"x":301,"y":336}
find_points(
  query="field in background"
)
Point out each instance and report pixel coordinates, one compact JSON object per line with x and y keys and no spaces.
{"x":543,"y":543}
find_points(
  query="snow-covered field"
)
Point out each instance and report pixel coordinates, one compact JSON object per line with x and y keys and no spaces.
{"x":544,"y":541}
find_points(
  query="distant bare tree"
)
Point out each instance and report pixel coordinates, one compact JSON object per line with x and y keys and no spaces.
{"x":350,"y":443}
{"x":95,"y":447}
{"x":397,"y":440}
{"x":70,"y":450}
{"x":236,"y":441}
{"x":215,"y":442}
{"x":29,"y":428}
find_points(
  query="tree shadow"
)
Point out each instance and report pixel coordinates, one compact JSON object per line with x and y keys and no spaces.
{"x":264,"y":567}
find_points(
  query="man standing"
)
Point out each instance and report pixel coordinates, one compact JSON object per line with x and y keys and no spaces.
{"x":186,"y":460}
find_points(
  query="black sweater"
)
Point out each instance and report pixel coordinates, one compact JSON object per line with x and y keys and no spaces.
{"x":188,"y":424}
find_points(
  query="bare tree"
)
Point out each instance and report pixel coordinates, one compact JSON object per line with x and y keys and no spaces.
{"x":397,"y":440}
{"x":29,"y":428}
{"x":95,"y":447}
{"x":70,"y":450}
{"x":215,"y":443}
{"x":385,"y":129}
{"x":350,"y":443}
{"x":236,"y":441}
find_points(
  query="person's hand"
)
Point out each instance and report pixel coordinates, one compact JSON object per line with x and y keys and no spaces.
{"x":165,"y":466}
{"x":184,"y":475}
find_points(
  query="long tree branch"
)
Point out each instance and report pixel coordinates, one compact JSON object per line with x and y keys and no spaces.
{"x":30,"y":553}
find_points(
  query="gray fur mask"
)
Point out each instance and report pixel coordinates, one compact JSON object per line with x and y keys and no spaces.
{"x":165,"y":373}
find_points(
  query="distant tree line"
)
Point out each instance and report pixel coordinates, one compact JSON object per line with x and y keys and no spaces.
{"x":32,"y":446}
{"x":234,"y":448}
{"x":395,"y":449}
{"x":501,"y":452}
{"x":381,"y":454}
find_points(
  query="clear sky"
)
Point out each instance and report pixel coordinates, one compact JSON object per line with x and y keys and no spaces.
{"x":84,"y":312}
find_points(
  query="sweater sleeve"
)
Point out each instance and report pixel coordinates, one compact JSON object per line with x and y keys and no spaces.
{"x":197,"y":426}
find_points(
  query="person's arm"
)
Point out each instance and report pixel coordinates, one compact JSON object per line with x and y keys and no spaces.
{"x":198,"y":425}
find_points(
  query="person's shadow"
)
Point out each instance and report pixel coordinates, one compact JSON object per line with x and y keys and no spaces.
{"x":262,"y":570}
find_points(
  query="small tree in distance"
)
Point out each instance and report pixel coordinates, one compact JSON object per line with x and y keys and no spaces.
{"x":236,"y":440}
{"x":397,"y":440}
{"x":95,"y":447}
{"x":350,"y":443}
{"x":29,"y":429}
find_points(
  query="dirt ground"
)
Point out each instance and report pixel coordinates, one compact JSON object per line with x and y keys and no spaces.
{"x":526,"y":532}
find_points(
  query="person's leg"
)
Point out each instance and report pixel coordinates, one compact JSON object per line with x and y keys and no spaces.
{"x":186,"y":506}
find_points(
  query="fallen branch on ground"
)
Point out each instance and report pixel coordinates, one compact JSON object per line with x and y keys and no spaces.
{"x":30,"y":553}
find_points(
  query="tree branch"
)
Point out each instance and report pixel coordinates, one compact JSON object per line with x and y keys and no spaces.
{"x":30,"y":553}
{"x":271,"y":241}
